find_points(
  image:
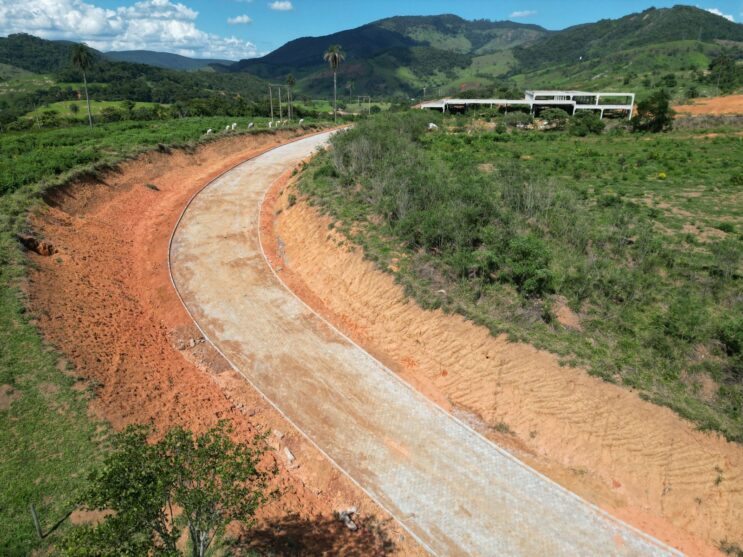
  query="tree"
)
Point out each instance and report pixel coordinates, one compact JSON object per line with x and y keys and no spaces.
{"x":556,"y":118}
{"x":154,"y":491}
{"x":334,"y":56}
{"x":349,"y":86}
{"x":82,"y":59}
{"x":724,"y":72}
{"x":654,"y":114}
{"x":290,"y":81}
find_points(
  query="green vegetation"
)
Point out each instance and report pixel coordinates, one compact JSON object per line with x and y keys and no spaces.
{"x":639,"y":235}
{"x":48,"y":444}
{"x":157,"y":490}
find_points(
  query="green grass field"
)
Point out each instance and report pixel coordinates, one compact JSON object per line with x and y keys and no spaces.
{"x":640,"y":235}
{"x":48,"y":443}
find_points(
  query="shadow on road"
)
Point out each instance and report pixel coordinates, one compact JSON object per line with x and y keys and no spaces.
{"x":321,"y":535}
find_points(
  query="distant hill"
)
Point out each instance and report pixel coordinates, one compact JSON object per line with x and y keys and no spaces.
{"x":164,"y":59}
{"x":392,"y":55}
{"x":609,"y":36}
{"x":447,"y":53}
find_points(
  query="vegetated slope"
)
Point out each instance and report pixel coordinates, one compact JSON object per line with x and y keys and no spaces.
{"x":641,"y":239}
{"x":166,"y":60}
{"x":392,"y":55}
{"x":609,"y":36}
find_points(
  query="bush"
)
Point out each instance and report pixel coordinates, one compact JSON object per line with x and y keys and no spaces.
{"x":557,"y":118}
{"x":518,"y":119}
{"x":527,"y":266}
{"x":586,"y":122}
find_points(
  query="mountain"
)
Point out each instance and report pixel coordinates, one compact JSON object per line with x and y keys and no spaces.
{"x":447,"y":53}
{"x":34,"y":54}
{"x":392,"y":55}
{"x":163,"y":59}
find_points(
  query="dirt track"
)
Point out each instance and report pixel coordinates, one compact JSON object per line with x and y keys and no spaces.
{"x":457,"y":492}
{"x":106,"y":301}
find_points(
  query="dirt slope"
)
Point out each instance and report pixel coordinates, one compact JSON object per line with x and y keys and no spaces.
{"x":105,"y":299}
{"x":639,"y":461}
{"x":714,"y":106}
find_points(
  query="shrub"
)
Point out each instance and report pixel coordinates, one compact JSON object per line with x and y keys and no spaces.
{"x":586,"y":122}
{"x":518,"y":119}
{"x":557,"y":118}
{"x":527,"y":266}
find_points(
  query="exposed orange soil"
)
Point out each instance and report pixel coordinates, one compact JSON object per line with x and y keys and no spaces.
{"x":640,"y":462}
{"x":106,"y":301}
{"x":714,"y":106}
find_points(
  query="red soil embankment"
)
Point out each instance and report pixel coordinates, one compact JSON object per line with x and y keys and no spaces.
{"x":640,"y":462}
{"x":106,"y":301}
{"x":713,"y":106}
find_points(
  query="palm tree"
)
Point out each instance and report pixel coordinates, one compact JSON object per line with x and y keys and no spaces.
{"x":334,"y":56}
{"x":289,"y":84}
{"x":82,"y":59}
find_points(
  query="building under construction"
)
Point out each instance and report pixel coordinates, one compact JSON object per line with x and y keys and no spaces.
{"x":603,"y":103}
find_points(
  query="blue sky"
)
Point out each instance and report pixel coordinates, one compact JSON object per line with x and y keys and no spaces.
{"x":236,"y":29}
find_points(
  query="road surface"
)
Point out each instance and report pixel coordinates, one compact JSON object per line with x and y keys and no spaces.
{"x":456,"y":492}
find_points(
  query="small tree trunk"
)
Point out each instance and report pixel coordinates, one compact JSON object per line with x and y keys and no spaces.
{"x":335,"y":98}
{"x":87,"y":100}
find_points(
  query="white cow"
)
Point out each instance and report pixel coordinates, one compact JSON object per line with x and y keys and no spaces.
{"x":301,"y":121}
{"x":234,"y":125}
{"x":432,"y":126}
{"x":250,"y":125}
{"x":269,"y":125}
{"x":208,"y":131}
{"x":227,"y":128}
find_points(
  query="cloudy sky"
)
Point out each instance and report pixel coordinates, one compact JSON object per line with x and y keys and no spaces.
{"x":235,"y":29}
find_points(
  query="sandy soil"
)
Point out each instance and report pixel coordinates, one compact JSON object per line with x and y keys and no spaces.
{"x":640,"y":462}
{"x":714,"y":106}
{"x":106,"y":301}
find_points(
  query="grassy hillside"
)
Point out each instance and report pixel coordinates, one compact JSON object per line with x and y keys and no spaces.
{"x":607,"y":37}
{"x":641,"y":237}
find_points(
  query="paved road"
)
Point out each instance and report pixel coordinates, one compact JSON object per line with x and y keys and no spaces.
{"x":456,"y":492}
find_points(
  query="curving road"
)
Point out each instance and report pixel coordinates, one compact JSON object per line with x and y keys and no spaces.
{"x":456,"y":492}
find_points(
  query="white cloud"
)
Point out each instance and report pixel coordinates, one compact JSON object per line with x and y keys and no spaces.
{"x":239,"y":20}
{"x":281,"y":5}
{"x":148,"y":24}
{"x":522,"y":13}
{"x":717,"y":11}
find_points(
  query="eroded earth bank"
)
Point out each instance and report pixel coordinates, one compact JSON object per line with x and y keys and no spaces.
{"x":640,"y":462}
{"x":102,"y":295}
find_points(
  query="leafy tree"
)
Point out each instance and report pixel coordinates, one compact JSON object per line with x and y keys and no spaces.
{"x":153,"y":491}
{"x":82,"y":59}
{"x":557,"y":118}
{"x":654,"y":114}
{"x":334,"y":56}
